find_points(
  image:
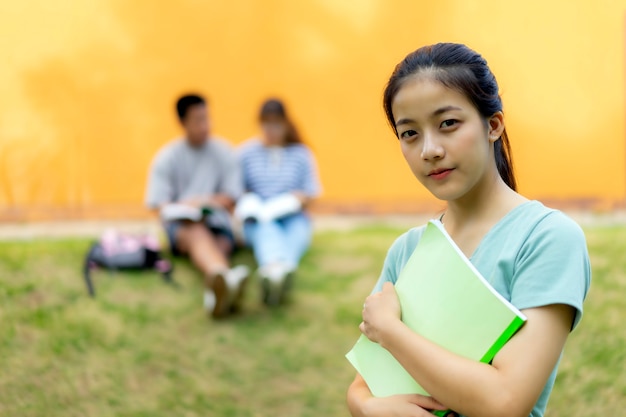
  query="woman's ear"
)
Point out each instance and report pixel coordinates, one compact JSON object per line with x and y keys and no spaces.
{"x":496,"y":126}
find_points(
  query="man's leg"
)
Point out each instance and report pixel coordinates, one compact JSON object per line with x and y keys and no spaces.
{"x":206,"y":251}
{"x":209,"y":253}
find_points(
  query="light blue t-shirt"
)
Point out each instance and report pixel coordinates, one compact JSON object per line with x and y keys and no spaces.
{"x":534,"y":256}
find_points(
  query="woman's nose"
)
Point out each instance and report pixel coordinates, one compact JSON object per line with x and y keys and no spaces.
{"x":432,"y":148}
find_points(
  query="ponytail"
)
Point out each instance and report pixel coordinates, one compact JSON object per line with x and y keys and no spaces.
{"x":293,"y":136}
{"x":504,"y":160}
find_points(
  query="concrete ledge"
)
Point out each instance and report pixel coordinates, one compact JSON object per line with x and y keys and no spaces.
{"x":93,"y":228}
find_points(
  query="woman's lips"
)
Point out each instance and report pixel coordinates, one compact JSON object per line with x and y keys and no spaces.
{"x":440,"y":174}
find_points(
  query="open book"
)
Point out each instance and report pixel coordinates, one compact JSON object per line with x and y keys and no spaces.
{"x":176,"y":211}
{"x":444,"y":298}
{"x":251,"y":206}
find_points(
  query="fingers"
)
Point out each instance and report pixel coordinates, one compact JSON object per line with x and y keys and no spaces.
{"x":420,"y":412}
{"x":425,"y":402}
{"x":362,"y":327}
{"x":396,"y":405}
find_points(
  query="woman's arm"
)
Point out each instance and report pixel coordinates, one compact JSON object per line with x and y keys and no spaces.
{"x":308,"y":182}
{"x":508,"y":387}
{"x":361,"y":403}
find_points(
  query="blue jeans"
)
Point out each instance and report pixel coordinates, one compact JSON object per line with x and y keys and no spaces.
{"x":284,"y":240}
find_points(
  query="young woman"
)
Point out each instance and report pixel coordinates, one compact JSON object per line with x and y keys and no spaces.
{"x":280,"y":179}
{"x":442,"y":102}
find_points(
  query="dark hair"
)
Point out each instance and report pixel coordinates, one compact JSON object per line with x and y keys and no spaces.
{"x":186,"y":101}
{"x":275,"y":107}
{"x":457,"y":67}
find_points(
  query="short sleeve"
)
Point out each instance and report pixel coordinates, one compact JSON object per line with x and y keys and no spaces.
{"x":397,"y":256}
{"x":388,"y":273}
{"x":159,"y":190}
{"x":552,"y":266}
{"x":310,"y":181}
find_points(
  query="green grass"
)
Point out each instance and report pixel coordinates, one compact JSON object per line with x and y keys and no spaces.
{"x":143,"y":348}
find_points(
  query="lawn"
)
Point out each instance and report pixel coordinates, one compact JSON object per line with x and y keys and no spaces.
{"x":143,"y":348}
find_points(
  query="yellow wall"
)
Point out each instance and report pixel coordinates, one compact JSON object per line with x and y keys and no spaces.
{"x":88,"y":90}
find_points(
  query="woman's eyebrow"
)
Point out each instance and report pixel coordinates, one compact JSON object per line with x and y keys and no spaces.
{"x":404,"y":122}
{"x":445,"y":109}
{"x":437,"y":112}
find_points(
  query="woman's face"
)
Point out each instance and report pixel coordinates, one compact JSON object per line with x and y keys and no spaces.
{"x":444,"y":139}
{"x":274,"y":129}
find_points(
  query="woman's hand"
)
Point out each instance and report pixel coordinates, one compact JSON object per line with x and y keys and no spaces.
{"x":302,"y":197}
{"x":379,"y":310}
{"x":362,"y":403}
{"x":408,"y":405}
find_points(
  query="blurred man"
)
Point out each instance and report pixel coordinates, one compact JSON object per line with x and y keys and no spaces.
{"x":194,"y":182}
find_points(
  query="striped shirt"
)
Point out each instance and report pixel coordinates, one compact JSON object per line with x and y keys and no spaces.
{"x":269,"y":171}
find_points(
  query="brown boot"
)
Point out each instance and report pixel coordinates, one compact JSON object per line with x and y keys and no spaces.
{"x":218,"y":305}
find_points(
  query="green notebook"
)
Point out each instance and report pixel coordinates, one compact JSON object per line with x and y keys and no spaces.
{"x":445,"y":299}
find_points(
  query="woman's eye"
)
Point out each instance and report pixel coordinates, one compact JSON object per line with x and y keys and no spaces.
{"x":408,"y":134}
{"x":448,"y":123}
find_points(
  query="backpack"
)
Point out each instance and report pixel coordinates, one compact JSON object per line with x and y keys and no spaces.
{"x":115,"y":251}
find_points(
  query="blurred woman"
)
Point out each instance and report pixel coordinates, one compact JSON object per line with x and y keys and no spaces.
{"x":280,"y":179}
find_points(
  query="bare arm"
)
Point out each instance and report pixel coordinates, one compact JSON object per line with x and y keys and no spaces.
{"x":510,"y":386}
{"x":222,"y":200}
{"x":216,"y":200}
{"x":309,"y":186}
